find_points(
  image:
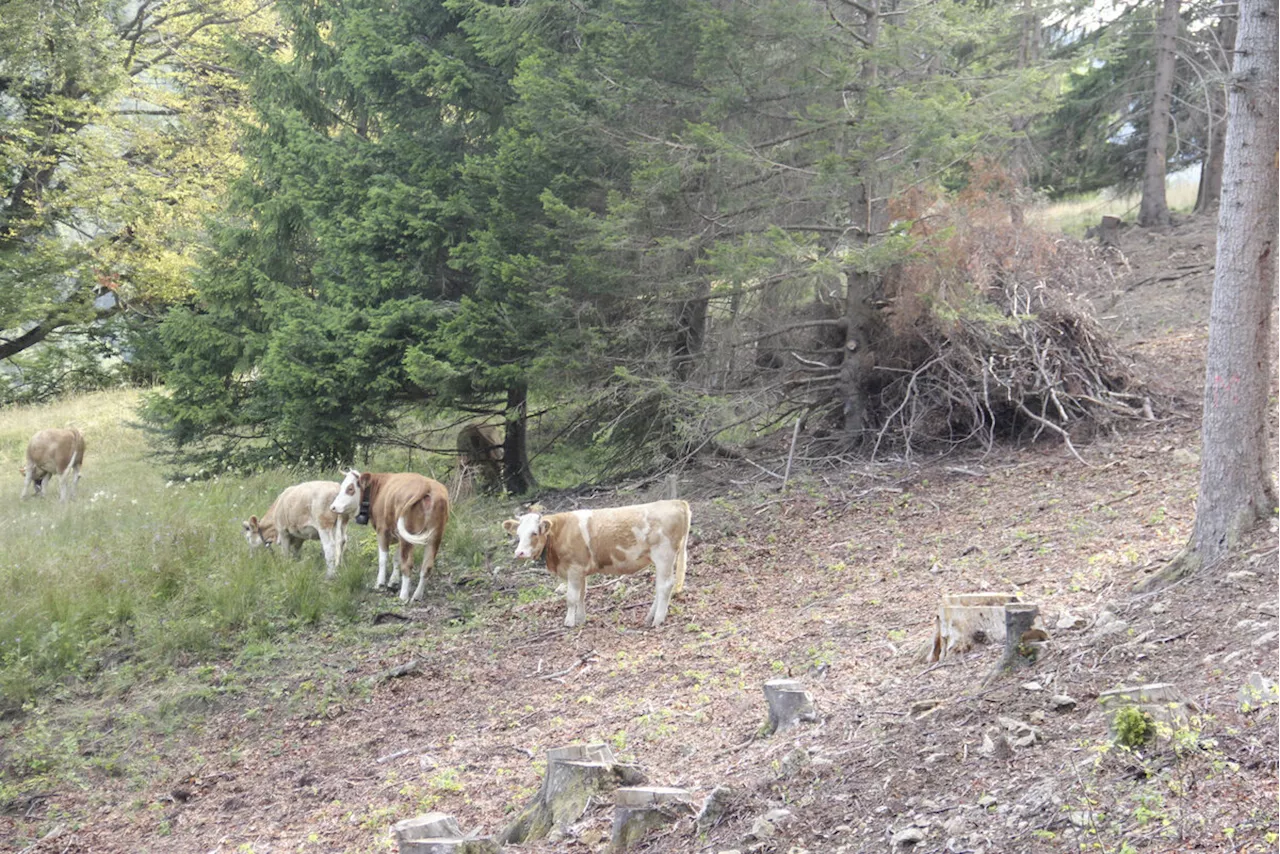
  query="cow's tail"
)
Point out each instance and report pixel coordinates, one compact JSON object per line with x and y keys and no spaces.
{"x":414,"y":539}
{"x":682,"y":548}
{"x":72,"y":464}
{"x":426,"y":536}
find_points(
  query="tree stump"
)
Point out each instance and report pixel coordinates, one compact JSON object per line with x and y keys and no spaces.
{"x":789,"y":703}
{"x":640,"y":809}
{"x":575,"y":774}
{"x":964,"y":619}
{"x":432,"y":825}
{"x":1108,"y":231}
{"x":1021,"y":640}
{"x":438,"y":833}
{"x":451,"y":846}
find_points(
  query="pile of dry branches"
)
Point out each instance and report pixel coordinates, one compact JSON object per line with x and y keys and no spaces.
{"x":1012,"y":353}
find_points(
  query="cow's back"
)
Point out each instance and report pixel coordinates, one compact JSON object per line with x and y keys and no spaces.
{"x":618,"y":540}
{"x":50,"y":451}
{"x":305,"y":504}
{"x":399,"y":491}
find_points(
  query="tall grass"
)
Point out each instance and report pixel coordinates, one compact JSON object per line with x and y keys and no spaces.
{"x":157,"y":572}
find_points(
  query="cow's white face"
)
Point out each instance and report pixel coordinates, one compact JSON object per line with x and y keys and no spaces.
{"x":253,"y":533}
{"x":348,"y":500}
{"x":531,"y":535}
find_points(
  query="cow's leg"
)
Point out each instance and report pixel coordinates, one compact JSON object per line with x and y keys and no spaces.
{"x":396,"y":568}
{"x":406,"y":572}
{"x":384,"y":543}
{"x":682,"y":557}
{"x":339,"y":540}
{"x":327,"y":545}
{"x":294,"y":545}
{"x":664,"y":564}
{"x":575,"y":597}
{"x":428,"y":562}
{"x":31,"y":478}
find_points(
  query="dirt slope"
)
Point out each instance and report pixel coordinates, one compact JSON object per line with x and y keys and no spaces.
{"x":834,"y":584}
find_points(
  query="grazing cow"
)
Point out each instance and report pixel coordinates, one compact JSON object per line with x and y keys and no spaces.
{"x":303,"y":512}
{"x":403,"y":507}
{"x":480,"y":447}
{"x":613,"y":541}
{"x":54,"y":451}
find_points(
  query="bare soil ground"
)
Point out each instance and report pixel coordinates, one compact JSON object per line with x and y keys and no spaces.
{"x":834,"y":583}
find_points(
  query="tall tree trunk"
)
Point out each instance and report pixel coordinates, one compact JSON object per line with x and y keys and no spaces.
{"x":517,"y":474}
{"x":1154,"y":209}
{"x":1022,"y":157}
{"x":691,"y":331}
{"x":1237,"y":459}
{"x":866,"y":213}
{"x":1209,"y":192}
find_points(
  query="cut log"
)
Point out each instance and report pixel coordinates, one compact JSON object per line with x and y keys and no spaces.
{"x":789,"y":704}
{"x":640,"y":809}
{"x":965,"y":619}
{"x":575,"y":774}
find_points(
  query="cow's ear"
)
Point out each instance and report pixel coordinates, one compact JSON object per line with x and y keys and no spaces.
{"x":543,"y":527}
{"x":510,"y":526}
{"x":252,"y":524}
{"x":363,"y":480}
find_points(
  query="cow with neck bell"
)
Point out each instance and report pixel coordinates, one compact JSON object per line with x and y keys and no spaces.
{"x":404,"y":508}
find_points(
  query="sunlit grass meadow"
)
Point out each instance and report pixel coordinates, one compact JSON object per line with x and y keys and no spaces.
{"x":145,"y":572}
{"x":1073,"y":215}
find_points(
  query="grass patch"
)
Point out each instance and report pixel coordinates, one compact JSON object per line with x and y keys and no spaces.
{"x":1072,"y":215}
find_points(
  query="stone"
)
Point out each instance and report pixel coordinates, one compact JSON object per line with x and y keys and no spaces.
{"x":1068,"y":622}
{"x":995,"y":744}
{"x":1258,"y":691}
{"x":1159,"y":608}
{"x":1062,"y":703}
{"x":1108,"y":624}
{"x":766,"y":826}
{"x":987,"y":801}
{"x":1266,"y":641}
{"x":1186,"y":458}
{"x":908,"y":837}
{"x":1032,"y":686}
{"x":1081,"y":818}
{"x":713,"y":807}
{"x":1241,"y":576}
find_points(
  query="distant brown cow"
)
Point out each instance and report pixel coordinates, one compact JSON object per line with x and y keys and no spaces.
{"x":403,"y":507}
{"x":480,"y":449}
{"x":54,"y":451}
{"x":612,"y":541}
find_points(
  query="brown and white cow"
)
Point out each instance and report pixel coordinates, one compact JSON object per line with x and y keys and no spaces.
{"x":480,"y":449}
{"x":54,"y":451}
{"x":612,"y":541}
{"x":303,"y":512}
{"x":403,"y":507}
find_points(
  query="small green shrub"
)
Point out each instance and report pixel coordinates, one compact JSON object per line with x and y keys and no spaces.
{"x":1133,"y":727}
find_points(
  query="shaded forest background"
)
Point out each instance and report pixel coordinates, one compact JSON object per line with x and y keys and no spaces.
{"x":646,"y":229}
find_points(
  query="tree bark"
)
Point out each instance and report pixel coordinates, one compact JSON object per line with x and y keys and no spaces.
{"x":1237,"y":459}
{"x":1154,"y":208}
{"x":517,"y":474}
{"x":1209,"y":193}
{"x":860,"y":315}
